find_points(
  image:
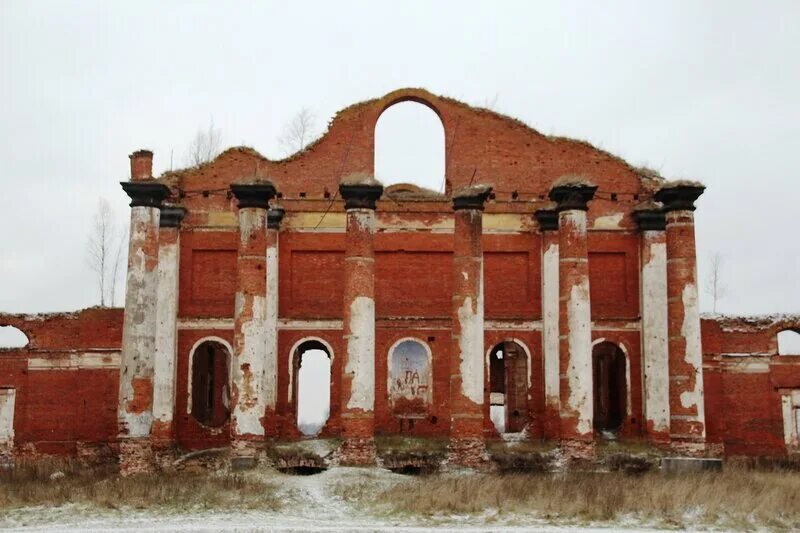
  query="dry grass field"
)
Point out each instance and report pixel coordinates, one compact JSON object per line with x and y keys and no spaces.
{"x":735,"y":499}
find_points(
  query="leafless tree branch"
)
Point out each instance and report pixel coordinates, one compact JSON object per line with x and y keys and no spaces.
{"x":99,"y":245}
{"x":205,"y":146}
{"x":298,"y":132}
{"x":715,"y":287}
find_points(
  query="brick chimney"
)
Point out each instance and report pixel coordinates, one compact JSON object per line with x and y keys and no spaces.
{"x":141,"y":165}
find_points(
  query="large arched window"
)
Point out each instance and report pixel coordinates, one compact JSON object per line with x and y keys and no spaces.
{"x":210,"y":392}
{"x":789,"y":342}
{"x":609,"y":367}
{"x":508,"y":387}
{"x":410,"y":146}
{"x":312,"y":388}
{"x":410,"y":378}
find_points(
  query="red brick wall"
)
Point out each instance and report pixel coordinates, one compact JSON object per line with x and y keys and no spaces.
{"x":55,"y":408}
{"x":743,"y":375}
{"x":207,"y":286}
{"x":614,"y":274}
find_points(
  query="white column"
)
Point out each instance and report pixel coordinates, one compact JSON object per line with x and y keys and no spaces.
{"x":274,"y":218}
{"x":548,"y":224}
{"x":166,"y":324}
{"x":655,"y":345}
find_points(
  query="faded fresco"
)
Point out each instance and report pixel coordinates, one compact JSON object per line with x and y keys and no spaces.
{"x":410,"y":388}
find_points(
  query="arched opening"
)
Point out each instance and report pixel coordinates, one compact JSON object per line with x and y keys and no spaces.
{"x":508,"y":382}
{"x":210,"y":402}
{"x":789,"y":342}
{"x":410,"y":146}
{"x":11,"y":337}
{"x":410,"y":378}
{"x":312,"y":366}
{"x":610,"y":388}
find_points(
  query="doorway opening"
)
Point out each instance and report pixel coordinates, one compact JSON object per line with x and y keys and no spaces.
{"x":210,"y":392}
{"x":609,"y":368}
{"x":312,"y":368}
{"x":508,"y":392}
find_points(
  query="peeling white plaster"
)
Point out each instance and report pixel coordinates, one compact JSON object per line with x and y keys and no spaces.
{"x":361,"y":354}
{"x":7,"y":401}
{"x":205,"y":323}
{"x":139,"y":322}
{"x":790,"y":409}
{"x":251,"y":404}
{"x":271,"y":366}
{"x":364,"y":219}
{"x":166,"y":333}
{"x":513,"y":325}
{"x":579,"y":341}
{"x":76,"y":361}
{"x":312,"y":325}
{"x":608,"y":221}
{"x":470,"y":344}
{"x":575,"y":219}
{"x":655,"y":335}
{"x":690,"y":330}
{"x":250,"y":220}
{"x":550,"y":340}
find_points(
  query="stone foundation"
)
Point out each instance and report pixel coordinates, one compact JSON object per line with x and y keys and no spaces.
{"x":135,"y":457}
{"x":357,"y":452}
{"x":468,"y":452}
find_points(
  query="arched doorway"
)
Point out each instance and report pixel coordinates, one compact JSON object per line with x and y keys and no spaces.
{"x":210,"y":392}
{"x":609,"y":368}
{"x":508,"y":392}
{"x":410,"y":146}
{"x":312,"y":386}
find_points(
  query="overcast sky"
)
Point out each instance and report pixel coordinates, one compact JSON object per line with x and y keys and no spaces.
{"x":701,"y":90}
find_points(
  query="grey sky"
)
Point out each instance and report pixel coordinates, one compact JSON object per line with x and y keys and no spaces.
{"x":702,"y":90}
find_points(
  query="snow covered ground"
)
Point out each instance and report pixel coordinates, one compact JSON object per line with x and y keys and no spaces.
{"x":311,"y":503}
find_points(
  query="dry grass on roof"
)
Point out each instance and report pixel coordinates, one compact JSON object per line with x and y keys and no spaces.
{"x":360,"y":178}
{"x":407,"y":192}
{"x":573,"y":180}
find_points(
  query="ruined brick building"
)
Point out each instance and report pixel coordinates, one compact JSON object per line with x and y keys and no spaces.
{"x":551,"y":279}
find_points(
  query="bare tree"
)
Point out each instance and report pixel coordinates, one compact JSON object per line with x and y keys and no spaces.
{"x":99,"y":246}
{"x":115,"y":270}
{"x":715,"y":287}
{"x":298,"y":132}
{"x":104,"y":251}
{"x":205,"y":146}
{"x":490,"y":103}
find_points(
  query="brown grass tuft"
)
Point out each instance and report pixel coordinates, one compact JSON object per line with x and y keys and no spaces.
{"x":734,"y":498}
{"x":61,"y":482}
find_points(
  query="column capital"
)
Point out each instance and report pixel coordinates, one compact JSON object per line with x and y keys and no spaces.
{"x":171,"y":216}
{"x":471,"y":197}
{"x":360,"y":191}
{"x":649,"y":216}
{"x":679,"y":195}
{"x":275,"y":217}
{"x":547,"y":219}
{"x":255,"y":193}
{"x":572,"y":192}
{"x":145,"y":194}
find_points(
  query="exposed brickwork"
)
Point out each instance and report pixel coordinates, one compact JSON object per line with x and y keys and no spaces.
{"x":419,"y":261}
